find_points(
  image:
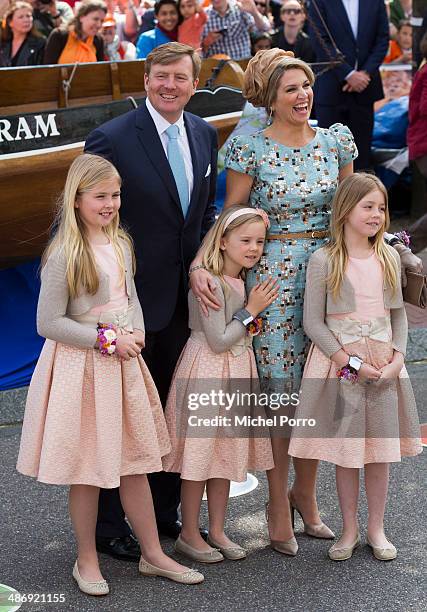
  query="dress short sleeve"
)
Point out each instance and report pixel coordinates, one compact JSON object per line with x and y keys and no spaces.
{"x":347,"y":150}
{"x":241,"y":155}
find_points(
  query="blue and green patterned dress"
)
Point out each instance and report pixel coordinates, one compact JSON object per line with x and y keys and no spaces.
{"x":295,"y":187}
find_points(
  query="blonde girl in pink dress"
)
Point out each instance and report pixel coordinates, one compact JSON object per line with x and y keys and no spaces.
{"x":355,"y":385}
{"x":218,"y":357}
{"x":93,"y":416}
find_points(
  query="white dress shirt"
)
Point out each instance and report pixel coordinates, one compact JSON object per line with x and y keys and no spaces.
{"x":352,"y":10}
{"x":161,"y":126}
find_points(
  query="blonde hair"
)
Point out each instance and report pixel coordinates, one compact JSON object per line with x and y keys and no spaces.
{"x":85,"y":173}
{"x":263,"y":74}
{"x":349,"y":193}
{"x":213,"y":257}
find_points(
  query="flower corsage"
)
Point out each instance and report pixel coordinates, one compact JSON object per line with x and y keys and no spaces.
{"x":254,"y":327}
{"x":107,"y":338}
{"x":403,"y":237}
{"x":346,"y":373}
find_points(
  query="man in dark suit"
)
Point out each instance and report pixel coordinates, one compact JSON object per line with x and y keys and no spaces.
{"x":347,"y":93}
{"x":168,"y":193}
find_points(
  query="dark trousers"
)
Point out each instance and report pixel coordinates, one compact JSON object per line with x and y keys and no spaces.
{"x":360,"y":120}
{"x":161,"y":352}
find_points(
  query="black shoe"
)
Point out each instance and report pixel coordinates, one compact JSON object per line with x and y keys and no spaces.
{"x":170,"y":530}
{"x":125,"y":548}
{"x":173,"y":529}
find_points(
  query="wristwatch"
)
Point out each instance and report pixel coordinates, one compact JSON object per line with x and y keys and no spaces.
{"x":355,"y":363}
{"x":243,"y":316}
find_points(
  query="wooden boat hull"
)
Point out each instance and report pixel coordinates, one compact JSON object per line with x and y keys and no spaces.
{"x":37,"y":148}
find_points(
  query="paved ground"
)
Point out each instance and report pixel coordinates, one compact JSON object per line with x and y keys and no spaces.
{"x":38,"y":549}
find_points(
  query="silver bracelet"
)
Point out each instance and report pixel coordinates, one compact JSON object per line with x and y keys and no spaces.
{"x":194,"y":268}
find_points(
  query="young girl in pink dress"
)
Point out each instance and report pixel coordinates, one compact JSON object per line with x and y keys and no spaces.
{"x":93,"y":416}
{"x":218,"y":357}
{"x":355,"y":384}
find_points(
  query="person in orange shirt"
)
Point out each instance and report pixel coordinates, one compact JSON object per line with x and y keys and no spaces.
{"x":194,"y":19}
{"x":400,"y":50}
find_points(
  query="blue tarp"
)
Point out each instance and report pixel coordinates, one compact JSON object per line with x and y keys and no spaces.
{"x":21,"y":346}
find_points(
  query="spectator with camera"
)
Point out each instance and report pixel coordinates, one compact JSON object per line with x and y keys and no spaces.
{"x":51,"y":14}
{"x":227,"y":31}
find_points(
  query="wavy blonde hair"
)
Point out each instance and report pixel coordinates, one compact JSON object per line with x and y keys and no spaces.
{"x":263,"y":74}
{"x":85,"y":173}
{"x":349,"y":193}
{"x":213,"y":257}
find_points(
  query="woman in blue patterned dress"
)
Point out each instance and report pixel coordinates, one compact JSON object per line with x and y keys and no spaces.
{"x":291,"y":171}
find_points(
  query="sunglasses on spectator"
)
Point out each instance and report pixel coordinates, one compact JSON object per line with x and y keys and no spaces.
{"x":288,"y":11}
{"x":261,"y":3}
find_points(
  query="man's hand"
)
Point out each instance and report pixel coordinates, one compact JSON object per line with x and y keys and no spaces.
{"x":203,"y":287}
{"x":409,"y":262}
{"x":247,"y":6}
{"x":210,"y":39}
{"x":357,"y":82}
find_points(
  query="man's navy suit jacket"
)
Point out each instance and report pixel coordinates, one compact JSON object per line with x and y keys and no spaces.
{"x":165,"y":242}
{"x":367,"y":51}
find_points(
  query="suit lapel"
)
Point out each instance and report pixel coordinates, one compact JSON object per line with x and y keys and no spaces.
{"x":150,"y":141}
{"x":365,"y":15}
{"x":195,"y":150}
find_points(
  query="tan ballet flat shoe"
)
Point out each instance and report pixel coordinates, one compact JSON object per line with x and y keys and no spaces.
{"x":190,"y":576}
{"x":100,"y":587}
{"x":318,"y":530}
{"x":285,"y":547}
{"x":233,"y":553}
{"x":211,"y":556}
{"x":340,"y":553}
{"x":387,"y":553}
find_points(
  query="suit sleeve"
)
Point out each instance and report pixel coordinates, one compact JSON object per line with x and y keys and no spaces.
{"x":209,"y":216}
{"x":98,"y":143}
{"x":317,"y":29}
{"x":379,"y":50}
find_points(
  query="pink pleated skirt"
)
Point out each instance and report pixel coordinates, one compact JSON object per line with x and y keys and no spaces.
{"x":221,"y":454}
{"x":90,"y":419}
{"x":374,"y":423}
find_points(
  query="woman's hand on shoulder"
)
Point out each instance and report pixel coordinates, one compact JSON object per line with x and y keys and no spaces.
{"x":203,"y":286}
{"x":127,"y":347}
{"x":262,"y":295}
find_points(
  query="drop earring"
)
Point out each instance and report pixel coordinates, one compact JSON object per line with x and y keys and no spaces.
{"x":270,"y":117}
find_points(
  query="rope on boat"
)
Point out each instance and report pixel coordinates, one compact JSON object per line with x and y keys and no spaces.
{"x":66,"y":83}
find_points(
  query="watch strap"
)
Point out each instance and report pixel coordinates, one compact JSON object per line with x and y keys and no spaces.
{"x":243,"y":316}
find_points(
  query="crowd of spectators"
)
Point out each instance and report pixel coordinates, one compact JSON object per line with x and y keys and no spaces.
{"x":57,"y":31}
